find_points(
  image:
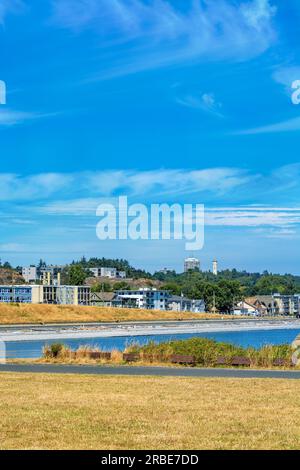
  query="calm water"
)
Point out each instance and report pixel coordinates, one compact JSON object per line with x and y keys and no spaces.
{"x":33,"y":349}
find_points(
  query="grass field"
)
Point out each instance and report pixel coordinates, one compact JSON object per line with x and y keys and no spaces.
{"x":28,"y":313}
{"x":92,"y":412}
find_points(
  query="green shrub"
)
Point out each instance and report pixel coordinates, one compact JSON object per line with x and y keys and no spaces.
{"x":207,"y":351}
{"x":53,"y":351}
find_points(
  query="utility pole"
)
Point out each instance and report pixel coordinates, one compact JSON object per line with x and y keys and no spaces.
{"x":214,"y":302}
{"x":272,"y":305}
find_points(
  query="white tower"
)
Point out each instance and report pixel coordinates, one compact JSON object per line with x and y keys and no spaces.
{"x":215,"y":267}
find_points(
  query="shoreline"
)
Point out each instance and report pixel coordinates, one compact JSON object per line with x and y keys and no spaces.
{"x":47,"y":333}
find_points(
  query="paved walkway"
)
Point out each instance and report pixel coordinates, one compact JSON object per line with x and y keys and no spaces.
{"x":152,"y":371}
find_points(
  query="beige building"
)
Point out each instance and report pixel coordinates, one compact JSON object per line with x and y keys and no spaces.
{"x":44,"y":294}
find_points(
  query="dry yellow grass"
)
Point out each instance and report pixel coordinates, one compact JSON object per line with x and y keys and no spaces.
{"x":30,"y":313}
{"x":104,"y":412}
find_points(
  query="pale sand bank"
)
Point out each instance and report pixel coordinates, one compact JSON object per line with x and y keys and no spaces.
{"x":61,"y":333}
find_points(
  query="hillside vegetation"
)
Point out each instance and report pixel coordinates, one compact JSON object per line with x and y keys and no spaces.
{"x":9,"y":276}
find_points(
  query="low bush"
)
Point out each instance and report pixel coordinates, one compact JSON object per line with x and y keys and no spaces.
{"x":207,"y":351}
{"x":53,"y":350}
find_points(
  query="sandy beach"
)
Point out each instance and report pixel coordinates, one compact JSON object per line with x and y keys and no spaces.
{"x":62,"y":332}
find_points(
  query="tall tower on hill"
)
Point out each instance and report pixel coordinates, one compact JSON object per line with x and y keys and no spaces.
{"x":215,"y":267}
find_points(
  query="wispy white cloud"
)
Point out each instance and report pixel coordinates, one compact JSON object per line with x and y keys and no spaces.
{"x":158,"y":34}
{"x":284,"y":233}
{"x":19,"y":188}
{"x":9,"y":117}
{"x":166,"y":181}
{"x":84,"y":188}
{"x":286,"y":177}
{"x":78,"y":207}
{"x":109,"y":183}
{"x":286,"y":75}
{"x":290,"y":125}
{"x":206,"y":102}
{"x":11,"y":247}
{"x":23,"y":222}
{"x":254,"y":217}
{"x":10,"y":7}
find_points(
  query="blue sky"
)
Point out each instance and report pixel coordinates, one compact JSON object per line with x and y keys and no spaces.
{"x":158,"y":101}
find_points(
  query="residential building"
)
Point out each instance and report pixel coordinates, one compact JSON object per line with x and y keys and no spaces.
{"x":266,"y":303}
{"x":245,"y":308}
{"x":179,"y":303}
{"x":82,"y":295}
{"x":289,"y":304}
{"x":44,"y":294}
{"x":151,"y":299}
{"x":30,"y":273}
{"x":45,"y":274}
{"x":66,"y":295}
{"x":50,"y":275}
{"x":49,"y":294}
{"x":259,"y":305}
{"x":191,"y":264}
{"x":121,"y":274}
{"x":276,"y":304}
{"x":111,"y":273}
{"x":20,"y":294}
{"x":103,"y":299}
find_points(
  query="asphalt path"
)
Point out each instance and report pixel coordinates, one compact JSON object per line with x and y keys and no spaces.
{"x":150,"y":371}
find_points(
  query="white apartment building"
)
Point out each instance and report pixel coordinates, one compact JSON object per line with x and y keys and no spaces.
{"x":151,"y":299}
{"x":191,"y":264}
{"x":154,"y":299}
{"x":111,"y":273}
{"x":30,"y":273}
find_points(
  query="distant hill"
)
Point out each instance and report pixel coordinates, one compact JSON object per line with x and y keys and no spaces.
{"x":108,"y":285}
{"x":9,"y":276}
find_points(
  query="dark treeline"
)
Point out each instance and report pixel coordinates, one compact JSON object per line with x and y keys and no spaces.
{"x":250,"y":283}
{"x":5,"y":265}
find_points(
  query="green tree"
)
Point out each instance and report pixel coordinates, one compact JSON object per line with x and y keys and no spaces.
{"x":76,"y":275}
{"x":102,"y":287}
{"x":271,"y":283}
{"x":7,"y":265}
{"x":173,"y":287}
{"x":228,"y":294}
{"x":121,"y":285}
